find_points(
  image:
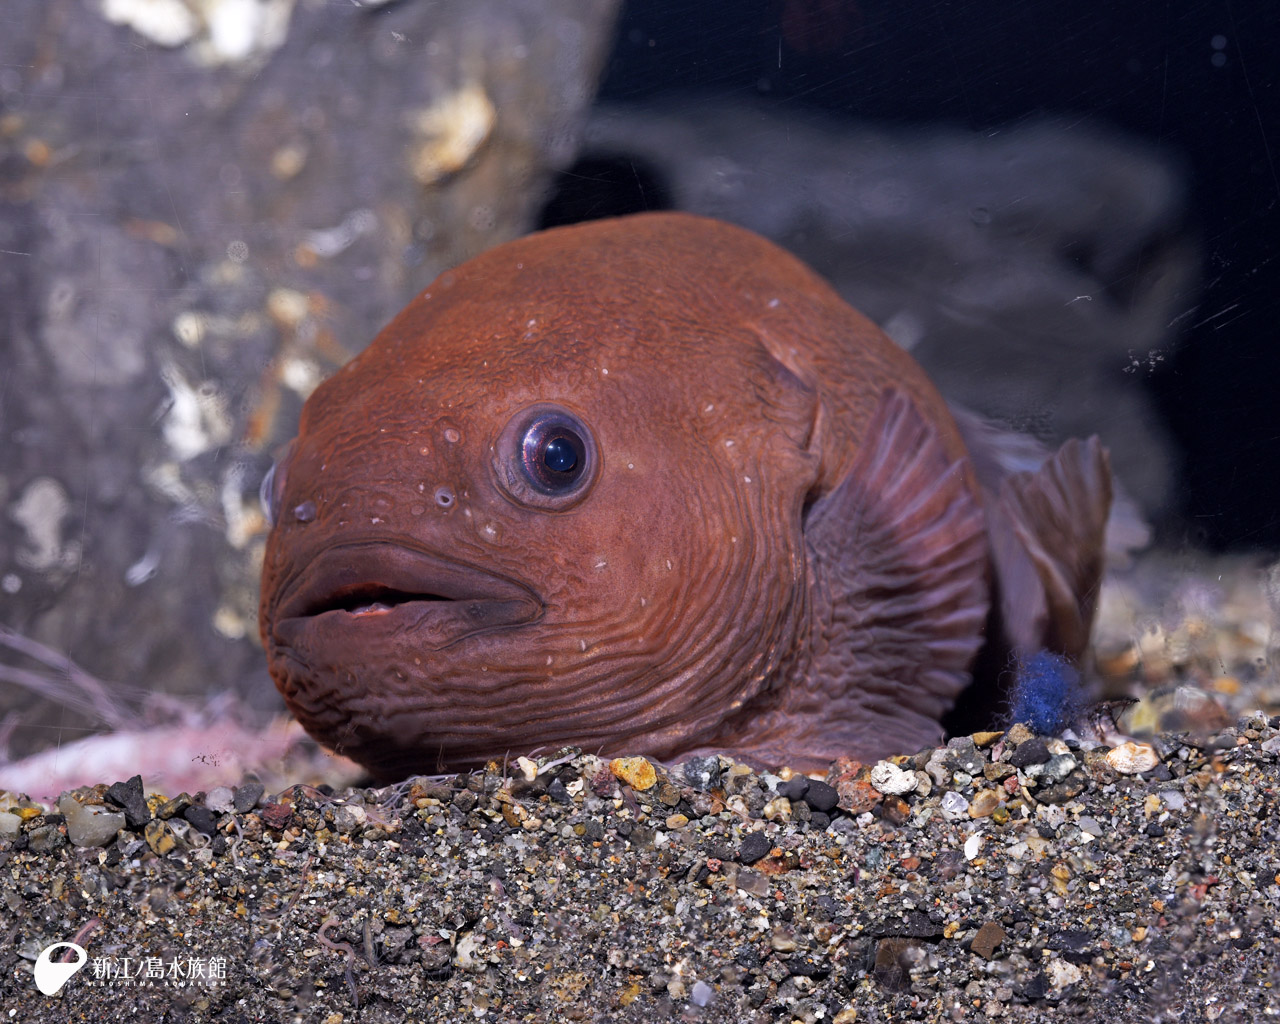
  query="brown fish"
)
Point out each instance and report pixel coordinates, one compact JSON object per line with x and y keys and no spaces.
{"x":649,"y":485}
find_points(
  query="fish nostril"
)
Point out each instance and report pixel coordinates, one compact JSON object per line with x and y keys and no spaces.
{"x":444,"y":497}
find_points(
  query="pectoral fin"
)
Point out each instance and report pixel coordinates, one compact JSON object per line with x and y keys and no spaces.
{"x":898,"y":559}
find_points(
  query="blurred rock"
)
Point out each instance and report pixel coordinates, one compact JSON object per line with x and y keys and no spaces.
{"x":204,"y":209}
{"x":1038,"y":273}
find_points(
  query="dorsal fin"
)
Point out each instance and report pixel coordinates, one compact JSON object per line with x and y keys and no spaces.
{"x":898,"y":560}
{"x":1059,"y":516}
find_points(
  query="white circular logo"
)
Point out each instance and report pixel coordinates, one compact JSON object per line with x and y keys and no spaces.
{"x":51,"y":976}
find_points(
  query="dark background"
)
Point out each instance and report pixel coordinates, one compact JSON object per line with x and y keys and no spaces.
{"x":1199,"y":78}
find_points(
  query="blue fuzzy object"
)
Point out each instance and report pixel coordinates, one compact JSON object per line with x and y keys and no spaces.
{"x":1046,"y":694}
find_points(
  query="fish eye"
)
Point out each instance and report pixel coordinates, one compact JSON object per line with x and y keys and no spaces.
{"x":554,"y":454}
{"x":547,"y":457}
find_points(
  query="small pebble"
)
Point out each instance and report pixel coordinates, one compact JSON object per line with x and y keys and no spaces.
{"x":348,"y":818}
{"x":636,"y":772}
{"x":1133,"y":758}
{"x":276,"y":815}
{"x":753,"y":882}
{"x":782,"y":940}
{"x":528,"y":768}
{"x":1062,"y":973}
{"x":953,"y":806}
{"x":962,"y":755}
{"x":45,"y":839}
{"x":202,"y":819}
{"x":701,"y":994}
{"x":172,"y":808}
{"x":777,"y":809}
{"x":1056,"y":769}
{"x":755,"y":845}
{"x":159,"y":836}
{"x":1033,"y":751}
{"x":989,"y":937}
{"x":89,"y":825}
{"x":820,"y":796}
{"x":1090,"y":825}
{"x":702,"y":773}
{"x":129,"y":795}
{"x":890,"y":779}
{"x":984,"y":803}
{"x":220,"y":799}
{"x":247,"y":796}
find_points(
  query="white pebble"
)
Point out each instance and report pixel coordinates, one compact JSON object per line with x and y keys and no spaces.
{"x":702,"y":993}
{"x":1133,"y":758}
{"x":890,"y":779}
{"x":220,"y":799}
{"x":954,"y":806}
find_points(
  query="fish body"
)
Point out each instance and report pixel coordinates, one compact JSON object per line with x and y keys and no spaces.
{"x":649,"y":485}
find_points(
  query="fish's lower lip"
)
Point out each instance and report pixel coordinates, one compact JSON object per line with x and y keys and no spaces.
{"x":384,"y":585}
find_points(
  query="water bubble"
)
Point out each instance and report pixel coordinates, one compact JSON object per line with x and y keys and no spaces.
{"x":305,"y":512}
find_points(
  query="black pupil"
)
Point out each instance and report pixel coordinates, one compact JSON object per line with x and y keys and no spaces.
{"x":559,"y":456}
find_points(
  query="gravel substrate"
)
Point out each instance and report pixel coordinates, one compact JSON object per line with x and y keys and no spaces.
{"x":1127,"y":872}
{"x":1005,"y":875}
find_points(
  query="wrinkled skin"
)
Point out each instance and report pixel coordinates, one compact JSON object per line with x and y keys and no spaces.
{"x":771,"y":541}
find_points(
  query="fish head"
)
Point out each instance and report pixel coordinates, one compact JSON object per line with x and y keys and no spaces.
{"x":557,"y":501}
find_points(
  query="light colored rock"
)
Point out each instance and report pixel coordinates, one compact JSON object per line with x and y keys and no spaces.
{"x":892,"y":780}
{"x":89,"y":825}
{"x":1133,"y":758}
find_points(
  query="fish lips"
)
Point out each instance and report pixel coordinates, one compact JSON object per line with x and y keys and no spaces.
{"x":353,"y":592}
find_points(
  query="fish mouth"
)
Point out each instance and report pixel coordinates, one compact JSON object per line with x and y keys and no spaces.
{"x":385,"y":586}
